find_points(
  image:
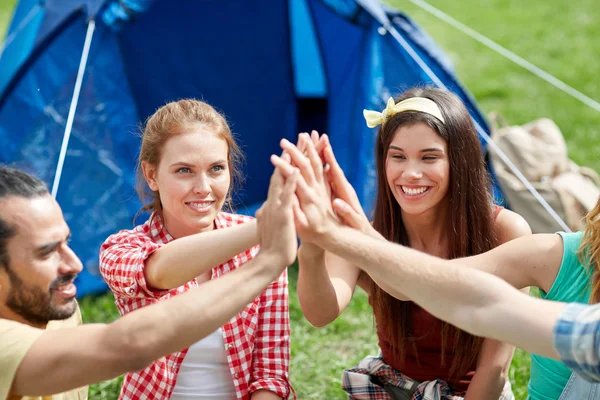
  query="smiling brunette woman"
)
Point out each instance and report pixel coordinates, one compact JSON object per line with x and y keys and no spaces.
{"x":434,"y":196}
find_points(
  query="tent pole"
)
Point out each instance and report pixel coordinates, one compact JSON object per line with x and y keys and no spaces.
{"x":396,"y":35}
{"x":74,"y":100}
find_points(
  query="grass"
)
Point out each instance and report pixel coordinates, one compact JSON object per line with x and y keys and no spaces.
{"x":557,"y":37}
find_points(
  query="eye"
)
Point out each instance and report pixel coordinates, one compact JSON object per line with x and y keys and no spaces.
{"x":398,"y":156}
{"x":218,"y":168}
{"x":430,"y":158}
{"x":183,"y":170}
{"x":46,"y":254}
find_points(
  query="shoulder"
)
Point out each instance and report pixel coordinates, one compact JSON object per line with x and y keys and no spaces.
{"x":139,"y":234}
{"x":7,"y":327}
{"x":571,"y":264}
{"x":572,"y":240}
{"x":15,"y":341}
{"x":510,"y":225}
{"x":230,"y":219}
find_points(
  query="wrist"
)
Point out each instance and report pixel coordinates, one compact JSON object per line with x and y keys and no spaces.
{"x":271,"y":262}
{"x":310,"y":251}
{"x":326,"y":236}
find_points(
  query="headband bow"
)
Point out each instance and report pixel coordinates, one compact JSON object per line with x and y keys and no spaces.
{"x":421,"y":104}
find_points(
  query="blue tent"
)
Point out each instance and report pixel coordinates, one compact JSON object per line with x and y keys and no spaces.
{"x":274,"y":67}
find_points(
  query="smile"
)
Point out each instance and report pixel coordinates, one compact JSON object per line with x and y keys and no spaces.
{"x":201,"y":206}
{"x":67,"y":290}
{"x":414,"y":191}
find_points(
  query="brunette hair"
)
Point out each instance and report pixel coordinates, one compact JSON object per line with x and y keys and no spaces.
{"x":470,"y":222}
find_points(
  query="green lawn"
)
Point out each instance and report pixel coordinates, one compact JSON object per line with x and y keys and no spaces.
{"x":557,"y":36}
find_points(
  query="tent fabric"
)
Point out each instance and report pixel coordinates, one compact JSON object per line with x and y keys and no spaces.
{"x":273,"y":67}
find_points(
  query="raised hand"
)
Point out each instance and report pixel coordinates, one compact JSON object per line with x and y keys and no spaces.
{"x":276,"y":230}
{"x":313,"y":212}
{"x":345,"y":201}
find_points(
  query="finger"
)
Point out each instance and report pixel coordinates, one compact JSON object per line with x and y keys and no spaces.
{"x":338,"y":180}
{"x":347,"y":214}
{"x":335,"y":173}
{"x":321,"y":144}
{"x":300,"y":143}
{"x":304,"y":192}
{"x":299,"y":217}
{"x":299,"y":160}
{"x":289,"y":189}
{"x":282,"y":165}
{"x":315,"y":160}
{"x":329,"y":157}
{"x":314,"y":136}
{"x":275,"y":185}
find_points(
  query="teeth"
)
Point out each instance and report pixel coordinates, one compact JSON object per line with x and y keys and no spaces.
{"x":414,"y":191}
{"x":203,"y":204}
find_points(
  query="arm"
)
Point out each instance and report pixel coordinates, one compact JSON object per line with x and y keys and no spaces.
{"x":264,"y":395}
{"x":472,"y":300}
{"x":326,"y":283}
{"x":126,"y":258}
{"x":197,"y":254}
{"x":495,"y":357}
{"x":65,"y":359}
{"x":532,"y":260}
{"x":491,"y":373}
{"x":271,"y":354}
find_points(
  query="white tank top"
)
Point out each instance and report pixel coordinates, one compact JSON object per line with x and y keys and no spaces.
{"x":204,"y":373}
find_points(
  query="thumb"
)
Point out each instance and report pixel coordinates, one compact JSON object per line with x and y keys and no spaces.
{"x":347,"y":214}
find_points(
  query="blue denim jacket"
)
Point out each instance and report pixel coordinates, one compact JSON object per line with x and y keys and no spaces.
{"x":578,"y":388}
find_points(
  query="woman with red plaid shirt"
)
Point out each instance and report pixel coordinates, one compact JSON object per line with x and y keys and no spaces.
{"x":188,"y":159}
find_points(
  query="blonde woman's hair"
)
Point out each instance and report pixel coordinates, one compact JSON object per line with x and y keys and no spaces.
{"x":589,"y":251}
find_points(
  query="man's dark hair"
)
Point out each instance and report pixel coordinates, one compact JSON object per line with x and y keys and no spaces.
{"x":15,"y":183}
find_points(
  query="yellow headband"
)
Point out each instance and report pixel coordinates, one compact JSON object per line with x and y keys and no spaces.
{"x":421,"y":104}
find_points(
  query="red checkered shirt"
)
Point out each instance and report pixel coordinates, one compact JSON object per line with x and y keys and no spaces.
{"x":257,"y":340}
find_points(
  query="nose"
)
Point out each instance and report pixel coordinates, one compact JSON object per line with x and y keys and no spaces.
{"x":413,"y":171}
{"x":202,"y":185}
{"x":71,"y":263}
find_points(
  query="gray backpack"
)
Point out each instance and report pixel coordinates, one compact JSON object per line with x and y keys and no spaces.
{"x":539,"y":151}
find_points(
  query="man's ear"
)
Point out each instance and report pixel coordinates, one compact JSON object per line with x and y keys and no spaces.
{"x":149,"y":171}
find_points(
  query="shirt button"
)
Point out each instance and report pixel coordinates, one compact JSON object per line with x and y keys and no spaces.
{"x":236,"y":375}
{"x":229,"y":347}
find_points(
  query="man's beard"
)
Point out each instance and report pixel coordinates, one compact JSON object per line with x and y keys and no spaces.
{"x":35,"y":305}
